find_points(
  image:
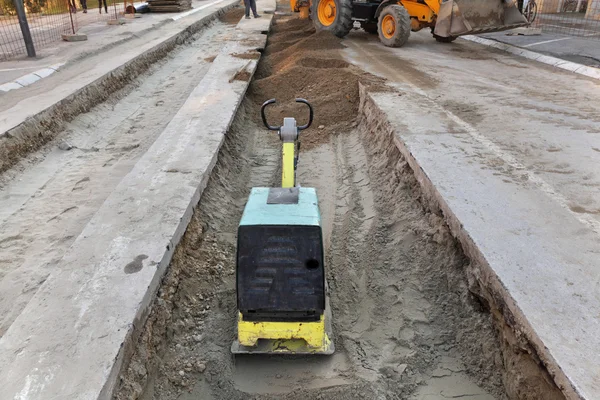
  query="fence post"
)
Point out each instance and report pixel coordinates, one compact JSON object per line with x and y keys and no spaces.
{"x":71,"y":17}
{"x":24,"y":27}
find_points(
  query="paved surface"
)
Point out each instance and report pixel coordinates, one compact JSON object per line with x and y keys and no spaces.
{"x":71,"y":338}
{"x":101,"y":37}
{"x":580,"y":69}
{"x":580,"y":50}
{"x":84,"y":69}
{"x":511,"y":149}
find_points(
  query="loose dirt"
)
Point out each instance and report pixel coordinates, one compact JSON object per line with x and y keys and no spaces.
{"x":233,"y":17}
{"x":406,"y":325}
{"x":301,"y":63}
{"x":253,"y":55}
{"x":242,"y":76}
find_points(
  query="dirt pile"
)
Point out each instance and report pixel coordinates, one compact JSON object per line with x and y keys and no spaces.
{"x":298,"y":62}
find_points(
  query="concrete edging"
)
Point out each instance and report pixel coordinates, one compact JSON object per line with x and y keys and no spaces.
{"x":554,"y":314}
{"x":580,"y":69}
{"x":28,"y":79}
{"x":76,"y":332}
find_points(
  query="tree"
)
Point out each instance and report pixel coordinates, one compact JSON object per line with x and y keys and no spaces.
{"x":7,"y":7}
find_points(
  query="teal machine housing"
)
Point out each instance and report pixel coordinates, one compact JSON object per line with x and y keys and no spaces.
{"x":280,"y":261}
{"x":280,"y":272}
{"x":305,"y":212}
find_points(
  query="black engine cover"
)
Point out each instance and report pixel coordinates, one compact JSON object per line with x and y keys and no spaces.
{"x":280,"y":273}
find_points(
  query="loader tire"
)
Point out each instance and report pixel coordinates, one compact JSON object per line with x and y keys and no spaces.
{"x":394,"y":26}
{"x":369,"y":27}
{"x":334,"y":16}
{"x":443,"y":39}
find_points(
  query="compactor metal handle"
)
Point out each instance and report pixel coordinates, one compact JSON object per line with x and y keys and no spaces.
{"x":277,"y":128}
{"x":310,"y":114}
{"x":264,"y":117}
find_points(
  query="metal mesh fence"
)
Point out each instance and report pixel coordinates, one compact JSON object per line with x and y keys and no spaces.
{"x":48,"y":20}
{"x":90,"y":11}
{"x":567,"y":17}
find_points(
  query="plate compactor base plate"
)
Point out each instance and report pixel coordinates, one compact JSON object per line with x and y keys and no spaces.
{"x":293,"y":346}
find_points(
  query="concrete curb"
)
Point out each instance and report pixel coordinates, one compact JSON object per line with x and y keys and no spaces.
{"x":580,"y":69}
{"x":542,"y":285}
{"x":31,"y":78}
{"x":71,"y":340}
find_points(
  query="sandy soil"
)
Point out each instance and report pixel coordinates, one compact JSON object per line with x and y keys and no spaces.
{"x":50,"y":196}
{"x":406,"y":325}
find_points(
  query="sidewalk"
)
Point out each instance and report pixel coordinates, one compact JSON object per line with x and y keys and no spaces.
{"x":579,"y":50}
{"x":101,"y":37}
{"x":31,"y":116}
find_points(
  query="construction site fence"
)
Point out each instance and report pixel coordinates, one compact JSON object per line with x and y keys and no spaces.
{"x":48,"y":20}
{"x":567,"y":17}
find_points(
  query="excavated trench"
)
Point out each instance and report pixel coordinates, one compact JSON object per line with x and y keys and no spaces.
{"x":406,"y":324}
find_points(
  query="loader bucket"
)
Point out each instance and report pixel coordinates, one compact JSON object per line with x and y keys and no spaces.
{"x":465,"y":17}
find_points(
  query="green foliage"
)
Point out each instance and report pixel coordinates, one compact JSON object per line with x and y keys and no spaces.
{"x":7,"y":7}
{"x":34,"y":6}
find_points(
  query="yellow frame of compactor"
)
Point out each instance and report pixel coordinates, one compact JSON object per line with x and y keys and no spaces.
{"x":285,"y":337}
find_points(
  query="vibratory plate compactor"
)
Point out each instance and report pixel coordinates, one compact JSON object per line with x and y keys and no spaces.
{"x":282,"y":297}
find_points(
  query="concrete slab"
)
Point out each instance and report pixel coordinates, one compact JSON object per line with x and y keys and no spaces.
{"x":53,"y":91}
{"x":10,"y":86}
{"x":70,"y":341}
{"x":44,"y":73}
{"x":77,"y":37}
{"x":537,"y":256}
{"x":256,"y":24}
{"x":56,"y":67}
{"x":41,"y":73}
{"x":115,"y":22}
{"x":27,"y":79}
